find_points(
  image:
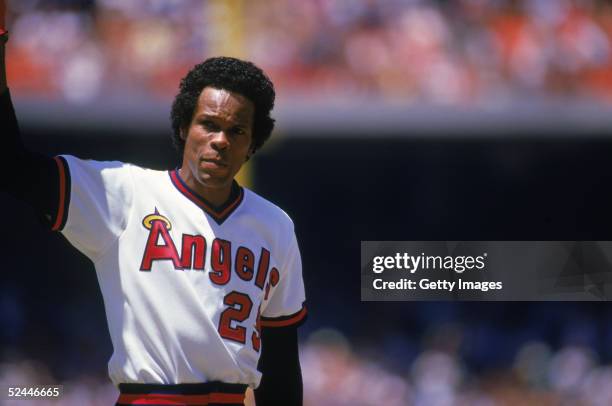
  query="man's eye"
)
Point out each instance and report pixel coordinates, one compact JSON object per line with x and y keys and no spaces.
{"x":238,"y":131}
{"x":209,"y":125}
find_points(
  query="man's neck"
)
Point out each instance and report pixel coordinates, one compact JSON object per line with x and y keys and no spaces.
{"x":217,"y":197}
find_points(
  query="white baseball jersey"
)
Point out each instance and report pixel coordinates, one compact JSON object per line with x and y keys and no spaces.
{"x":186,"y":287}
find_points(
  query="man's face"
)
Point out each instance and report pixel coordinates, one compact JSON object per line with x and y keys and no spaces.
{"x":218,"y":140}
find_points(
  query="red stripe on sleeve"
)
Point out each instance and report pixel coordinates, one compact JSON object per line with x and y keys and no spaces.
{"x":283,"y":322}
{"x":62,"y":194}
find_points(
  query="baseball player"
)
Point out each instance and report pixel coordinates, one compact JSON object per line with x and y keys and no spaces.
{"x":201,"y":278}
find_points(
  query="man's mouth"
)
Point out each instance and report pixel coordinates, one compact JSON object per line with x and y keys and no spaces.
{"x":213,"y":162}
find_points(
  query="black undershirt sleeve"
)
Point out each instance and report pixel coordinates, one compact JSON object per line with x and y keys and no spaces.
{"x":279,"y":363}
{"x":28,"y":176}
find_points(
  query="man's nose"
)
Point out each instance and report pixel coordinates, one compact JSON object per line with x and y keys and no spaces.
{"x":220,"y":141}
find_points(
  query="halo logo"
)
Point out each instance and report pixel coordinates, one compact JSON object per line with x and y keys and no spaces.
{"x":147,"y":222}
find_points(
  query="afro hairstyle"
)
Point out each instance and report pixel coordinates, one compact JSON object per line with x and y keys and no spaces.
{"x":229,"y":74}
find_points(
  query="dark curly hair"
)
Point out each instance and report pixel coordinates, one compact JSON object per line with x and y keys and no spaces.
{"x":230,"y":74}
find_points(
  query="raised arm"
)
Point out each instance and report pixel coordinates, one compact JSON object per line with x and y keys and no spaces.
{"x":3,"y":39}
{"x":28,"y":176}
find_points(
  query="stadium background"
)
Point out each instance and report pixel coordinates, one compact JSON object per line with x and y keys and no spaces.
{"x":407,"y":120}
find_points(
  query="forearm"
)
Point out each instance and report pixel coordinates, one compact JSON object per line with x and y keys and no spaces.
{"x":281,"y":382}
{"x":14,"y":150}
{"x":8,"y":122}
{"x":3,"y":86}
{"x":3,"y":39}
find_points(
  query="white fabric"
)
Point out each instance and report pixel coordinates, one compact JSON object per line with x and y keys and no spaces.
{"x":164,"y":322}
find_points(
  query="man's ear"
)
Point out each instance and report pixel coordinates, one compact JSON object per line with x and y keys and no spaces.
{"x":250,"y":154}
{"x":183,"y":134}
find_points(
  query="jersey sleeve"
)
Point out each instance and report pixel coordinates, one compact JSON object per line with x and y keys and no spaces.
{"x":286,"y":305}
{"x":95,"y":199}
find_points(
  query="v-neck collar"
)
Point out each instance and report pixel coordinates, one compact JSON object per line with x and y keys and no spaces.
{"x":219,"y":214}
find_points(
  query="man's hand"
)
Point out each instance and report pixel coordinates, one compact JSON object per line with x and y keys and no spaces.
{"x":2,"y":15}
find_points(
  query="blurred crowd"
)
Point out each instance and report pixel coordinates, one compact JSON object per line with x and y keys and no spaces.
{"x":464,"y":52}
{"x":336,"y":374}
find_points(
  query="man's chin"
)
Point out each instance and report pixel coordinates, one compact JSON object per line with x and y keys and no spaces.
{"x":214,"y":182}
